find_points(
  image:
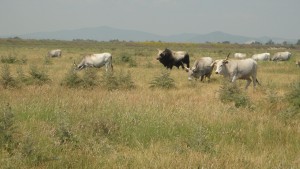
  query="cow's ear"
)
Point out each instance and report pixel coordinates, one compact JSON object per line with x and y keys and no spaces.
{"x":225,"y":61}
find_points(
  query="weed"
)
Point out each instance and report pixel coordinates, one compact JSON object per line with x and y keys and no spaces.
{"x":7,"y":79}
{"x":229,"y":92}
{"x":72,"y":79}
{"x":38,"y":77}
{"x":7,"y":130}
{"x":163,"y":81}
{"x":90,"y":78}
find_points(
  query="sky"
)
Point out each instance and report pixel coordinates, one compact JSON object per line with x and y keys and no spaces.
{"x":253,"y":18}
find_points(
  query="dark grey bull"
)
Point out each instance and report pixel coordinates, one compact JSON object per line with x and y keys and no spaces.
{"x":202,"y":68}
{"x":171,"y":58}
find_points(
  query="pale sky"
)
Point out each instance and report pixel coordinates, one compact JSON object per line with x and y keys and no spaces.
{"x":254,"y":18}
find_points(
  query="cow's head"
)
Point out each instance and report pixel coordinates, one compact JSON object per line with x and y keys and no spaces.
{"x":220,"y":65}
{"x":160,"y":54}
{"x":163,"y":53}
{"x":191,"y":72}
{"x":78,"y":66}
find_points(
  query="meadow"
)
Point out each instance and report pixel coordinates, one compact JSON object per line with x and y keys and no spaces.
{"x":100,"y":124}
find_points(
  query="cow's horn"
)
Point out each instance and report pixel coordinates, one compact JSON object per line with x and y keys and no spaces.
{"x":227,"y":56}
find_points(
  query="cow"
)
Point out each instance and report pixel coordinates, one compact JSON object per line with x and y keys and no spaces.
{"x":171,"y":58}
{"x":201,"y":68}
{"x":55,"y":53}
{"x":281,"y":56}
{"x":95,"y":60}
{"x":237,"y":69}
{"x":240,"y":55}
{"x":298,"y":63}
{"x":261,"y":56}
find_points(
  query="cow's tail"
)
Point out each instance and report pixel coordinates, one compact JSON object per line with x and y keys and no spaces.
{"x":111,"y":65}
{"x":257,"y":82}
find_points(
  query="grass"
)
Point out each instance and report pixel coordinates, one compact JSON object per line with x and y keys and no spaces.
{"x":54,"y":125}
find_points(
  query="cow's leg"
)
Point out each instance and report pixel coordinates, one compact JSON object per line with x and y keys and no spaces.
{"x":248,"y":82}
{"x":233,"y":79}
{"x":254,"y":81}
{"x":202,"y":78}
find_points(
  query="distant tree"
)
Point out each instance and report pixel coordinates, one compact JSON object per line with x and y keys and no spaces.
{"x":298,"y":42}
{"x":226,"y":42}
{"x":270,"y":42}
{"x":284,"y":43}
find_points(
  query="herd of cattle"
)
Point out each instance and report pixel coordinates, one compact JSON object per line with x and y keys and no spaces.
{"x":240,"y":68}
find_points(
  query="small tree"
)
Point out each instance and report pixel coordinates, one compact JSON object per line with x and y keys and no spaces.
{"x":298,"y":42}
{"x":270,"y":42}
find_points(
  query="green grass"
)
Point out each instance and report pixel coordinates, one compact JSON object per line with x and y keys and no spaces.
{"x":117,"y":121}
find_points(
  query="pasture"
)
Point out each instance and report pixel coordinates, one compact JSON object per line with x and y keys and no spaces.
{"x":52,"y":125}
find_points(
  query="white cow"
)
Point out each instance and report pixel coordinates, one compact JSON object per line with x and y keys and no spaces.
{"x":96,"y":60}
{"x":54,"y":53}
{"x":261,"y":56}
{"x":237,"y":69}
{"x":281,"y":56}
{"x":202,"y":68}
{"x":298,"y":63}
{"x":240,"y":55}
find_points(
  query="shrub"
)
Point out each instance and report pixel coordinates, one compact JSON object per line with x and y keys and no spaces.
{"x":125,"y":81}
{"x":7,"y":130}
{"x":293,"y":100}
{"x":72,"y":79}
{"x":229,"y":92}
{"x":7,"y":79}
{"x":121,"y":81}
{"x":38,"y":76}
{"x":163,"y":81}
{"x":90,"y":78}
{"x":9,"y":59}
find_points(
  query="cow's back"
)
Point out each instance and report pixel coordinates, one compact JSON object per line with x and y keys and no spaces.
{"x":242,"y":67}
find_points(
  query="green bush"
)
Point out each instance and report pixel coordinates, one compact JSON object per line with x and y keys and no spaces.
{"x":163,"y":81}
{"x":38,"y":77}
{"x":90,"y":78}
{"x":7,"y":80}
{"x":121,"y":81}
{"x":72,"y":79}
{"x":229,"y":92}
{"x":293,"y":100}
{"x":7,"y":130}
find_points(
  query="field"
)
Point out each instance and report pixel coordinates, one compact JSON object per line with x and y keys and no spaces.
{"x":50,"y":124}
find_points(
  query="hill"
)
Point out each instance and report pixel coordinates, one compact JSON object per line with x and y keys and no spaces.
{"x":105,"y":33}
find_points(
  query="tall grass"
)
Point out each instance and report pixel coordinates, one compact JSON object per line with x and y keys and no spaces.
{"x":115,"y":120}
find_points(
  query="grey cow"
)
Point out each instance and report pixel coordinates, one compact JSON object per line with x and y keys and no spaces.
{"x":281,"y":56}
{"x":55,"y":53}
{"x":237,"y":69}
{"x":201,"y":68}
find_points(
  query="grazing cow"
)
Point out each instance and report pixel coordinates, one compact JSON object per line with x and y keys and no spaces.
{"x":261,"y":56}
{"x":54,"y":53}
{"x":240,"y":55}
{"x":237,"y":69}
{"x":298,"y":63}
{"x":202,"y":68}
{"x":96,"y":60}
{"x":171,"y":58}
{"x":281,"y":56}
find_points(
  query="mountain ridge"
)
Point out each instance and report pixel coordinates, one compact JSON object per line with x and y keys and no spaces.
{"x":106,"y":33}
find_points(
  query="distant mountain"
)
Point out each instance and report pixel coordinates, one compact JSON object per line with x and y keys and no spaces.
{"x":105,"y":33}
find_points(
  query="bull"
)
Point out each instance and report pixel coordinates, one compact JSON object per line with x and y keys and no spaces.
{"x":95,"y":60}
{"x":202,"y":68}
{"x":171,"y":58}
{"x":237,"y":69}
